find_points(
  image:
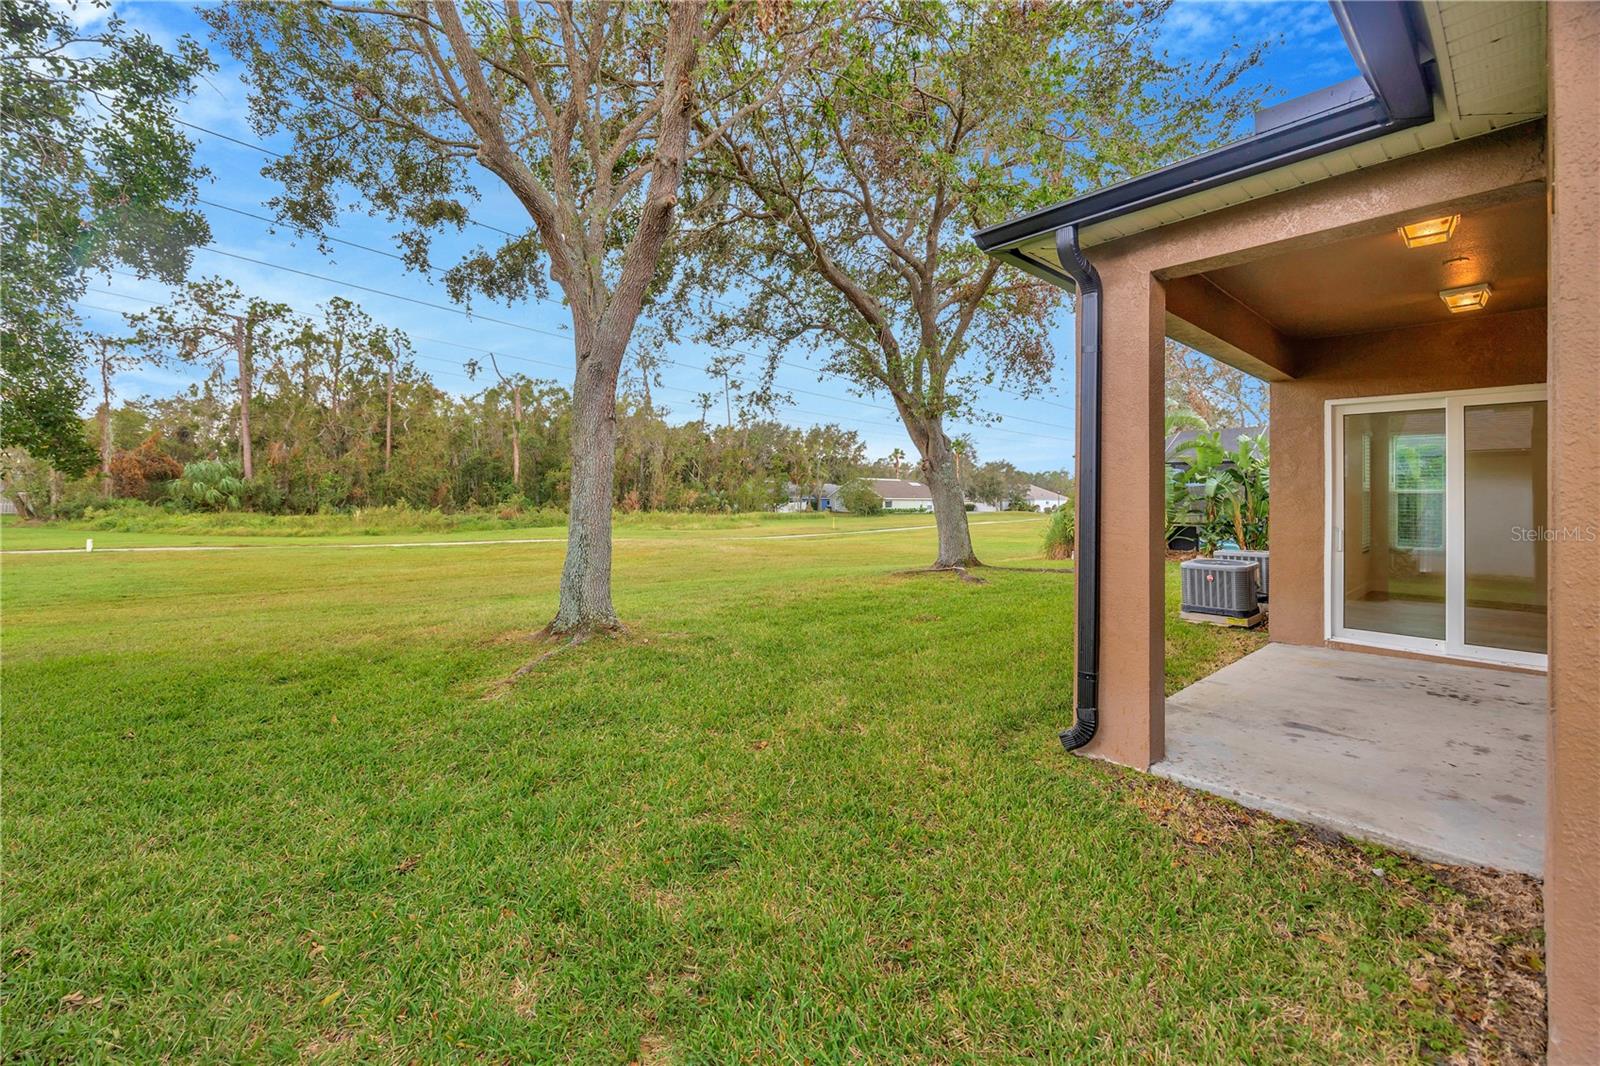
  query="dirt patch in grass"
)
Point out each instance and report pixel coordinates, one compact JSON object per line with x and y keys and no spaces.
{"x":1489,"y":970}
{"x":1482,"y":957}
{"x":956,"y":571}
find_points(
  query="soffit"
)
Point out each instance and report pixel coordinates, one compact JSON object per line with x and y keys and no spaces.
{"x":1375,"y":282}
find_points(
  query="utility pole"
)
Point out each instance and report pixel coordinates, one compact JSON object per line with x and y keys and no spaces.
{"x":388,"y":416}
{"x":104,"y":346}
{"x":241,"y":350}
{"x":516,"y":423}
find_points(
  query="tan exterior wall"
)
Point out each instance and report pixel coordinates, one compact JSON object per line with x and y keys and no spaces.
{"x":1132,"y":515}
{"x":1572,"y":841}
{"x":1469,"y":353}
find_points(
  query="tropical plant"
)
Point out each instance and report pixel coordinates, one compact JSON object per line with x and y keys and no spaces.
{"x":1232,"y":494}
{"x":1061,"y":536}
{"x":209,"y":485}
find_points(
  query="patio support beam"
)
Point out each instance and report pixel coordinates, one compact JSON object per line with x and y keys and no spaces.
{"x":1132,"y":551}
{"x":1209,"y":320}
{"x":1572,"y":839}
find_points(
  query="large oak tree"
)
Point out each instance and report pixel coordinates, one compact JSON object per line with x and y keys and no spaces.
{"x":586,"y":112}
{"x":860,"y":189}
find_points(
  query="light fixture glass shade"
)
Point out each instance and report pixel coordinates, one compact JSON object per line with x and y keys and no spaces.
{"x":1429,"y":231}
{"x":1466,"y":298}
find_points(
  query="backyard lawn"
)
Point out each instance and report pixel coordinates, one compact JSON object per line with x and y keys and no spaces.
{"x":280,"y":802}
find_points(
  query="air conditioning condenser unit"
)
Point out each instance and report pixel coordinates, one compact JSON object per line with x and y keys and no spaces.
{"x":1220,"y":592}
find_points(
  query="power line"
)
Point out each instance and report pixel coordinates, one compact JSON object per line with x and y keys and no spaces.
{"x":536,"y":362}
{"x":279,"y":155}
{"x":507,"y":233}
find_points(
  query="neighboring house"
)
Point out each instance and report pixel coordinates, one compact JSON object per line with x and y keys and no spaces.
{"x":1408,"y":259}
{"x":901,"y":495}
{"x":799,"y":498}
{"x":1043,"y":499}
{"x":1040,"y":499}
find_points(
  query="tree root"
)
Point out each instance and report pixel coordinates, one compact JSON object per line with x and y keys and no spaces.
{"x":569,"y":639}
{"x":959,"y":571}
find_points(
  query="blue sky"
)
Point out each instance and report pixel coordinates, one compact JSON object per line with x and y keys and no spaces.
{"x":1035,"y":433}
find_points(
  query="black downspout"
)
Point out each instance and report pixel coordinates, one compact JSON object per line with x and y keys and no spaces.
{"x":1087,"y":281}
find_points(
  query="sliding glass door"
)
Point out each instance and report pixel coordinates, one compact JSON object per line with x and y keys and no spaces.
{"x":1436,"y":540}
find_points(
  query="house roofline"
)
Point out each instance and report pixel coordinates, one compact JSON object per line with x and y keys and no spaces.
{"x":1386,"y":48}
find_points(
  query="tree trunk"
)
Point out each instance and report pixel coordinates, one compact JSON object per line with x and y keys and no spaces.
{"x":105,"y":424}
{"x":949,"y":503}
{"x":242,"y":351}
{"x":586,"y":576}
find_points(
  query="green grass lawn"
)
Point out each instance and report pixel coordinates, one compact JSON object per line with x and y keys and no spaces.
{"x":812,"y":809}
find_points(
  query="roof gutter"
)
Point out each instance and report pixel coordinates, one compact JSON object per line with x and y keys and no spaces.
{"x":1385,"y":48}
{"x":1086,"y":280}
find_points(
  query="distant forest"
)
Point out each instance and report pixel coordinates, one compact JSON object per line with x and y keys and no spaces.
{"x":340,"y":417}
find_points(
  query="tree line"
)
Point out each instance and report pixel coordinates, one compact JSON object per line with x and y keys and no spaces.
{"x":299,"y":414}
{"x":804,"y":175}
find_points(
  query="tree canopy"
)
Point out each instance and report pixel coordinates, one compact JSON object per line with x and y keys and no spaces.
{"x":96,"y":174}
{"x":856,"y":196}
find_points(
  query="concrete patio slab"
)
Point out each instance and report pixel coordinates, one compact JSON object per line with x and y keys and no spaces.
{"x":1440,"y":760}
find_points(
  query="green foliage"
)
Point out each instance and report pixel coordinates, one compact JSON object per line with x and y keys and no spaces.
{"x":31,"y":484}
{"x":1225,"y":495}
{"x":859,"y":190}
{"x":209,"y":485}
{"x":858,"y":498}
{"x":96,"y":174}
{"x":1061,"y":536}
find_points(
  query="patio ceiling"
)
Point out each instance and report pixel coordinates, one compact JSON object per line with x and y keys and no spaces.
{"x":1373,"y":281}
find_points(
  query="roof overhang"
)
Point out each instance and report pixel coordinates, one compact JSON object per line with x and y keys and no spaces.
{"x":1435,"y":73}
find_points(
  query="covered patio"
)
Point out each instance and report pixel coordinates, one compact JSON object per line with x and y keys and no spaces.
{"x":1443,"y":760}
{"x":1407,"y":259}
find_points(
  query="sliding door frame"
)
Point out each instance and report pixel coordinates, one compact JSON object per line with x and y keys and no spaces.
{"x":1454,"y":404}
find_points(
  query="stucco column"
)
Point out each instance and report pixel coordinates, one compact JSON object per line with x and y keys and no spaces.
{"x":1132,"y":519}
{"x":1572,"y":839}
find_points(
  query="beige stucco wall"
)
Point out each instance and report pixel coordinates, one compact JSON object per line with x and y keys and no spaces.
{"x":1466,"y":353}
{"x":1572,"y":840}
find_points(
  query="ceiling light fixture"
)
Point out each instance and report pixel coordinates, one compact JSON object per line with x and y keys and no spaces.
{"x":1429,"y":231}
{"x":1466,"y":298}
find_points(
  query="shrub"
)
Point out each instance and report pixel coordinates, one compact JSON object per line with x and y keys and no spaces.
{"x":139,"y":474}
{"x":1061,"y":536}
{"x":858,"y":498}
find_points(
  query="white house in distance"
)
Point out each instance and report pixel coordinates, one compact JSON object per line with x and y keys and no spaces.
{"x":1040,"y":499}
{"x":900,"y":495}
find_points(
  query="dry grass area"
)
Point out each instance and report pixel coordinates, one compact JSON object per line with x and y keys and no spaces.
{"x":1484,"y":954}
